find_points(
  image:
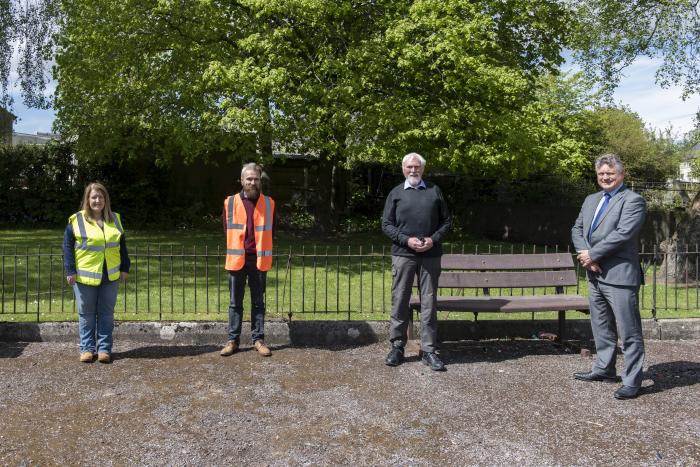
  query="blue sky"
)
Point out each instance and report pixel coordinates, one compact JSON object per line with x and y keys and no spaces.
{"x":659,"y":108}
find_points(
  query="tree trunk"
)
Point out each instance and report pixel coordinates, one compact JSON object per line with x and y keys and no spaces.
{"x":681,"y":256}
{"x":326,"y":205}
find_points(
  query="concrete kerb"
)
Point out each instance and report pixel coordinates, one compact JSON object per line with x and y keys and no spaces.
{"x":329,"y":333}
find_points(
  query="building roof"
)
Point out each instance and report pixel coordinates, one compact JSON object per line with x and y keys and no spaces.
{"x":28,"y":138}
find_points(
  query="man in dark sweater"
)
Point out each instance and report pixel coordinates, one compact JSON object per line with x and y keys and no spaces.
{"x":416,"y":219}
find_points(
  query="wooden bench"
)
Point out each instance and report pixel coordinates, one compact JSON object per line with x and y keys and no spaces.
{"x":510,"y":274}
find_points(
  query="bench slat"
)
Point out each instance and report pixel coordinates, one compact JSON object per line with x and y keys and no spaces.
{"x":449,"y":279}
{"x":520,"y":261}
{"x":508,"y":304}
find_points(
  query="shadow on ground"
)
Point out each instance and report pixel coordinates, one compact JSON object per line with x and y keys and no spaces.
{"x":670,"y":375}
{"x":166,"y":351}
{"x":12,"y":349}
{"x":498,"y":350}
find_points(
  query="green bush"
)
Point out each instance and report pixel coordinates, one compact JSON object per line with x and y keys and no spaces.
{"x":43,"y":185}
{"x":37,"y":184}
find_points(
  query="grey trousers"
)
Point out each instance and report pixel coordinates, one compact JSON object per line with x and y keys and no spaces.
{"x":403,"y":270}
{"x":615,"y":311}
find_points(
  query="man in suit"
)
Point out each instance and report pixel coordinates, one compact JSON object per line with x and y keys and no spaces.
{"x":606,"y":237}
{"x":416,"y":219}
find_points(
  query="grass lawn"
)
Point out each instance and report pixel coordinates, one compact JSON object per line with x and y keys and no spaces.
{"x":179,"y":276}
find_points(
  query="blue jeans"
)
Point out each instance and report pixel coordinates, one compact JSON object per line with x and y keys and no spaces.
{"x":236,"y":284}
{"x":96,"y":315}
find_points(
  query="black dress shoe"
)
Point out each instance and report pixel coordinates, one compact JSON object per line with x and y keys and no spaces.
{"x":433,"y":361}
{"x":395,"y":356}
{"x":626,"y":392}
{"x":590,"y":376}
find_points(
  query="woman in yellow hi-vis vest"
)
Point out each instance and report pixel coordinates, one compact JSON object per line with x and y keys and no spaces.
{"x":95,"y":258}
{"x":248,"y":218}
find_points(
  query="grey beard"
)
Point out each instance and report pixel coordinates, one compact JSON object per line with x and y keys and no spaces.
{"x":417,"y":180}
{"x":251,"y":192}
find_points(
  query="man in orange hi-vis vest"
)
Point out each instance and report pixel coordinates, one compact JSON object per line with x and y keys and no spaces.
{"x":248,"y":218}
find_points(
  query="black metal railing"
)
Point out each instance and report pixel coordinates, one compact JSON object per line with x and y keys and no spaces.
{"x":174,"y":283}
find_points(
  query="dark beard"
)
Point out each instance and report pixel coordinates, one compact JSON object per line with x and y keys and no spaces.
{"x":251,"y":193}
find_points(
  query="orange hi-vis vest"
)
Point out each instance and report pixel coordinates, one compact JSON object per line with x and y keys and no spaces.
{"x":236,"y":218}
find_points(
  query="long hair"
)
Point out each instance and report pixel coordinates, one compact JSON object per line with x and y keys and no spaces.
{"x":107,"y":213}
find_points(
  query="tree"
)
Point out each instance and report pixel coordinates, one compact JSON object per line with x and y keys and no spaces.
{"x":27,"y":29}
{"x":610,"y":34}
{"x":647,"y":156}
{"x":347,"y":81}
{"x":677,"y":263}
{"x":478,"y":74}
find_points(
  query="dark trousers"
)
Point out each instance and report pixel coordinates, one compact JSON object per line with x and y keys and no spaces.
{"x":236,"y":285}
{"x":404,"y":270}
{"x":615,"y":313}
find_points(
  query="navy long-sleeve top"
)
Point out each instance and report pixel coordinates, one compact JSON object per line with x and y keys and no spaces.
{"x":69,"y":253}
{"x":410,"y":212}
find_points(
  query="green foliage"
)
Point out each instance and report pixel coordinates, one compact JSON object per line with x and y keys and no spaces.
{"x":35,"y":184}
{"x":43,"y":185}
{"x":647,"y":156}
{"x":300,"y":219}
{"x":563,"y":103}
{"x":695,"y":168}
{"x":691,"y":148}
{"x":611,"y":34}
{"x":461,"y":86}
{"x":349,"y":80}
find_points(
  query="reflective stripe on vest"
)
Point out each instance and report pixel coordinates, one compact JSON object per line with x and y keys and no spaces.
{"x":268,"y":217}
{"x":236,"y":222}
{"x":94,"y":247}
{"x":229,"y":216}
{"x":89,"y":274}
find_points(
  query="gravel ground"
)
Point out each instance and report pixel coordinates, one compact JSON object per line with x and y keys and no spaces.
{"x":500,"y":402}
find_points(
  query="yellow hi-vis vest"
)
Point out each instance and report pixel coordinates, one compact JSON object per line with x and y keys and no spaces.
{"x":94,"y":247}
{"x":236,"y":218}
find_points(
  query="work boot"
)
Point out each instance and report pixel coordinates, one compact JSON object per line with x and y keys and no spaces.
{"x":229,"y":348}
{"x":104,"y":357}
{"x":262,"y":348}
{"x":86,"y":357}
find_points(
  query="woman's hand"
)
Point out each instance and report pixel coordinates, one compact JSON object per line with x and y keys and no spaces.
{"x":124,"y":275}
{"x":71,"y":279}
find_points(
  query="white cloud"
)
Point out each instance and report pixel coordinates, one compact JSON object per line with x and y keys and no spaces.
{"x":659,"y":108}
{"x":32,"y":120}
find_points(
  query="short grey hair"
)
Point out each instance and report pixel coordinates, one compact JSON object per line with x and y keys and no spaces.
{"x":611,"y":160}
{"x":413,"y":155}
{"x":251,"y":166}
